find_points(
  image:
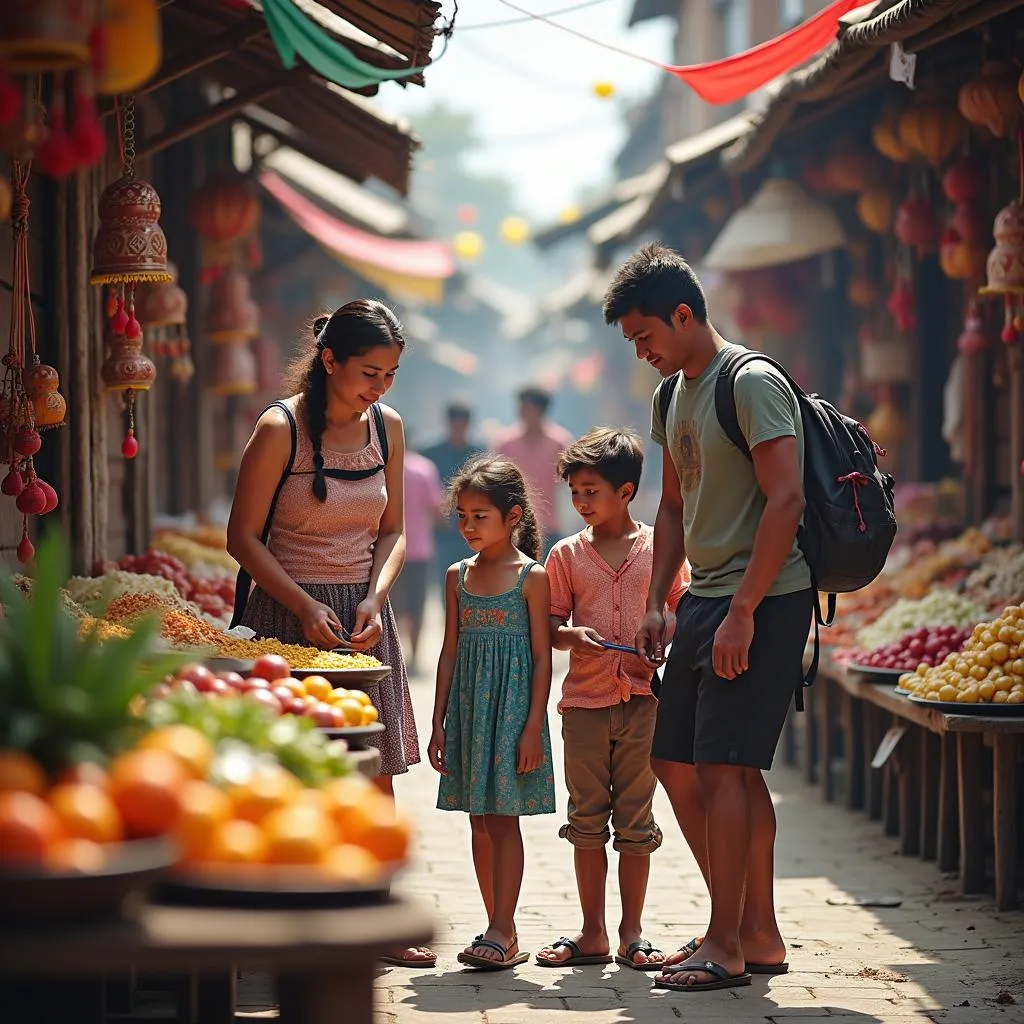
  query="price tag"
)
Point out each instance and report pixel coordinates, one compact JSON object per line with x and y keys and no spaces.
{"x":902,"y":65}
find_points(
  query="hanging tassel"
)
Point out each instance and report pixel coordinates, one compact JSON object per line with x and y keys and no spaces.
{"x":56,"y":155}
{"x":10,"y":99}
{"x":130,"y":446}
{"x":87,"y":137}
{"x":26,"y":549}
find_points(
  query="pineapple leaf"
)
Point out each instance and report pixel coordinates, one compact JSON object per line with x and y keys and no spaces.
{"x":16,"y":640}
{"x":52,"y":566}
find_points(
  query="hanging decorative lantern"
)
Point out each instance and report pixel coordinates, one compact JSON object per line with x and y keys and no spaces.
{"x":862,"y":291}
{"x":163,"y":310}
{"x":604,"y":90}
{"x":133,"y":48}
{"x":569,"y":214}
{"x":991,"y":99}
{"x":931,"y":130}
{"x":268,"y":364}
{"x":901,"y":305}
{"x":130,"y":245}
{"x":886,"y":138}
{"x":915,"y":223}
{"x":38,"y":36}
{"x":961,"y":259}
{"x":225,"y":212}
{"x":234,"y":369}
{"x":514,"y":230}
{"x":468,"y":246}
{"x":232,"y":315}
{"x":964,"y":181}
{"x":972,"y":339}
{"x":851,"y":170}
{"x":1005,"y":267}
{"x":875,"y":210}
{"x":41,"y":383}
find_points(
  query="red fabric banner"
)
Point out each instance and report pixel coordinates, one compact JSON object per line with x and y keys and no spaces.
{"x":732,"y":78}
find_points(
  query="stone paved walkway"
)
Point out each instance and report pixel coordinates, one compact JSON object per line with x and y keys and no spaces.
{"x":937,"y":956}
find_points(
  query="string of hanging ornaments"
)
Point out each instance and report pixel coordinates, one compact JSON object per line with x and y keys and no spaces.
{"x":129,"y":249}
{"x":30,"y":401}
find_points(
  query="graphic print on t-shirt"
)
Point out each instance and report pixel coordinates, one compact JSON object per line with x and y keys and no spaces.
{"x":688,"y":456}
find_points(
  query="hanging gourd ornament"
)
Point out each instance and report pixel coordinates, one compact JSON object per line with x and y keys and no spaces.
{"x":990,"y":99}
{"x":886,"y":139}
{"x":41,"y":383}
{"x":901,"y":305}
{"x":232,"y":315}
{"x":875,"y":210}
{"x":972,"y":339}
{"x":964,"y":180}
{"x":915,"y":223}
{"x":127,"y":369}
{"x":224,"y":212}
{"x":931,"y":130}
{"x":1005,"y":267}
{"x":850,"y":169}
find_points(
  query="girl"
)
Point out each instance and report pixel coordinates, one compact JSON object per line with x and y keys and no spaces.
{"x":490,"y":737}
{"x":317,"y":518}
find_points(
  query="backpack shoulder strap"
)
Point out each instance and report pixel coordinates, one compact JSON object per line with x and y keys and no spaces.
{"x":663,"y":395}
{"x":382,"y":433}
{"x":725,"y":395}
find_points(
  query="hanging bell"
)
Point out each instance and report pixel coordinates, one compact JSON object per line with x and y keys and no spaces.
{"x":232,"y":314}
{"x":235,"y":371}
{"x":130,"y":245}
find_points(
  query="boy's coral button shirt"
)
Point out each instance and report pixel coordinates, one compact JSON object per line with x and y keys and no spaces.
{"x":588,"y":591}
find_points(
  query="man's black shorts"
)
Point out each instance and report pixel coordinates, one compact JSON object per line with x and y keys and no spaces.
{"x":704,"y":719}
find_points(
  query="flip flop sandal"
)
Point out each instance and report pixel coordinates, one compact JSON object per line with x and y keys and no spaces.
{"x":692,"y":946}
{"x":397,"y":961}
{"x":782,"y":968}
{"x":725,"y":979}
{"x":482,"y":963}
{"x":577,"y":957}
{"x":640,"y":946}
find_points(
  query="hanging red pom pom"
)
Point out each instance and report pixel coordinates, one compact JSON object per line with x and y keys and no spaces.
{"x":87,"y":137}
{"x":52,"y":501}
{"x":98,"y":47}
{"x":27,"y":441}
{"x":56,"y":155}
{"x":119,"y":321}
{"x":32,"y":499}
{"x":111,"y":305}
{"x":26,"y":549}
{"x":12,"y":484}
{"x":10,"y":99}
{"x":132,"y":329}
{"x":129,"y":446}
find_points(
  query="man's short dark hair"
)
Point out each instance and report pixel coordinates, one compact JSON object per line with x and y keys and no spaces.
{"x":536,"y":396}
{"x":615,"y":455}
{"x":654,"y":281}
{"x":458,"y":411}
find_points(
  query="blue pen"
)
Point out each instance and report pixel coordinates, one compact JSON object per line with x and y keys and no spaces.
{"x":618,"y":647}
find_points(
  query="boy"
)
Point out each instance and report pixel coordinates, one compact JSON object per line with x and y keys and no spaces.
{"x":599,"y":580}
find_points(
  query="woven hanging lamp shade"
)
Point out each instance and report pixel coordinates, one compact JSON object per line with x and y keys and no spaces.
{"x":781,"y":224}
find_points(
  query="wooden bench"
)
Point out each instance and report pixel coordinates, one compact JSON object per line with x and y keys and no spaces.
{"x":930,"y":790}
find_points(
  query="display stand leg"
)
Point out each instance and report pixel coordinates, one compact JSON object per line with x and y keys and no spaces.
{"x":327,"y":998}
{"x":972,"y":823}
{"x":909,"y":768}
{"x":929,"y":793}
{"x":948,"y":849}
{"x":1004,"y":818}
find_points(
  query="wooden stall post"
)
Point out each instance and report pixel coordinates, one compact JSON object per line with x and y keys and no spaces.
{"x":853,"y":750}
{"x":909,"y":769}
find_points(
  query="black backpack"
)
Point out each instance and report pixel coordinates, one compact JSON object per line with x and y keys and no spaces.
{"x":849,"y":521}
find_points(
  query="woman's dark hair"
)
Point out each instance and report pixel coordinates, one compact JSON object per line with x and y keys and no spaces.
{"x":500,"y":481}
{"x":350,"y":331}
{"x":653,"y":282}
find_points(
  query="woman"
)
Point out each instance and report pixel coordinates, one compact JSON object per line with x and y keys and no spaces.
{"x":317,"y":520}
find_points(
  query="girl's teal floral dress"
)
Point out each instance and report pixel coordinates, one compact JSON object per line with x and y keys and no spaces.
{"x":488,"y":707}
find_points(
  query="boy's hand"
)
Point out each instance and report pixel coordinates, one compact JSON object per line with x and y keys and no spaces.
{"x":651,"y":639}
{"x":435,"y":750}
{"x":586,"y":640}
{"x":530,"y":752}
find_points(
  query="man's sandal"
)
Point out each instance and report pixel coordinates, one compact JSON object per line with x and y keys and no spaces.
{"x":774,"y":969}
{"x":725,"y":979}
{"x":576,"y":958}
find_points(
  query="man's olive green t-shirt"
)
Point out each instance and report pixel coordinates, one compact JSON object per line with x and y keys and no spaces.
{"x":722,"y":502}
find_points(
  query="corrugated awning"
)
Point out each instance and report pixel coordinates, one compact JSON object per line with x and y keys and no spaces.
{"x":414,"y":270}
{"x":405,"y":25}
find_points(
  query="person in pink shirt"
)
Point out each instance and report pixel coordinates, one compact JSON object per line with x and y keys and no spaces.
{"x":424,"y":498}
{"x":599,"y":580}
{"x":534,"y":445}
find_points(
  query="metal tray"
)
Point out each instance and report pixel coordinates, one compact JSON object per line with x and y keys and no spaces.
{"x":882,"y":675}
{"x":952,"y":707}
{"x":345,"y":677}
{"x":354,"y":735}
{"x":36,"y":896}
{"x":243,"y":666}
{"x":286,"y":890}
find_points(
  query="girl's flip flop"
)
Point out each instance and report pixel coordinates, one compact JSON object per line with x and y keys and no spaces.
{"x":576,"y":958}
{"x":483,"y":963}
{"x":640,"y":946}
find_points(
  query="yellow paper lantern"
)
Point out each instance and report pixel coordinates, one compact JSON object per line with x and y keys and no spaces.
{"x":514,"y":230}
{"x":133,"y":45}
{"x":468,"y":246}
{"x":931,"y":130}
{"x":875,"y":210}
{"x":604,"y":90}
{"x":886,"y":138}
{"x":569,"y":214}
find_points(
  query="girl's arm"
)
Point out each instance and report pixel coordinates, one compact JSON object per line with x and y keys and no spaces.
{"x":537,"y":592}
{"x":389,"y":551}
{"x":263,"y":462}
{"x":445,"y":668}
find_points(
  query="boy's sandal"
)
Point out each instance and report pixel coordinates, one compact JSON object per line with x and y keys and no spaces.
{"x":576,"y":958}
{"x":640,"y":946}
{"x":483,"y":963}
{"x":783,"y":968}
{"x":725,"y":979}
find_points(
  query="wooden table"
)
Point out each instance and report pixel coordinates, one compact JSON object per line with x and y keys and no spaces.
{"x":322,"y":960}
{"x":930,"y":793}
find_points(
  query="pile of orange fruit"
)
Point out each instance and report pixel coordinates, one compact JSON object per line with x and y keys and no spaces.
{"x":347,"y":831}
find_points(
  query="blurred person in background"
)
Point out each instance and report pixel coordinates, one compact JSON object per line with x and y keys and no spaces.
{"x":534,"y":445}
{"x":424,"y":512}
{"x":449,"y":456}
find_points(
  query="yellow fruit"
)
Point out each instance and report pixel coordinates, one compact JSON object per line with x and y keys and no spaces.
{"x":948,"y":693}
{"x":363,"y":697}
{"x":20,"y":774}
{"x":986,"y":690}
{"x":387,"y":839}
{"x":145,"y":785}
{"x":1015,"y":697}
{"x":79,"y":855}
{"x":354,"y":803}
{"x":204,"y":808}
{"x":29,"y":829}
{"x":298,"y":835}
{"x":86,"y":812}
{"x":352,"y":710}
{"x":317,"y":686}
{"x":370,"y":714}
{"x":349,"y":864}
{"x":236,"y":842}
{"x":270,"y":788}
{"x":189,"y":745}
{"x":999,"y":652}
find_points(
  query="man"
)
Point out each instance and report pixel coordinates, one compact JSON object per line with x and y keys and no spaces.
{"x":742,"y":626}
{"x":424,"y":501}
{"x":534,"y":446}
{"x":449,"y":456}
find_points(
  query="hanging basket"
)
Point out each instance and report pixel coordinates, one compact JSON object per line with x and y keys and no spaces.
{"x":130,"y":245}
{"x":39,"y":36}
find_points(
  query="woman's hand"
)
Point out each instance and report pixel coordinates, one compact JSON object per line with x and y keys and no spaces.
{"x":530,"y":752}
{"x":368,"y":628}
{"x":435,"y":750}
{"x":319,"y":624}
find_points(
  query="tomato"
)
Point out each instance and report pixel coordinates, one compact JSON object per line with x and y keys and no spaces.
{"x":199,"y":675}
{"x":271,"y":667}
